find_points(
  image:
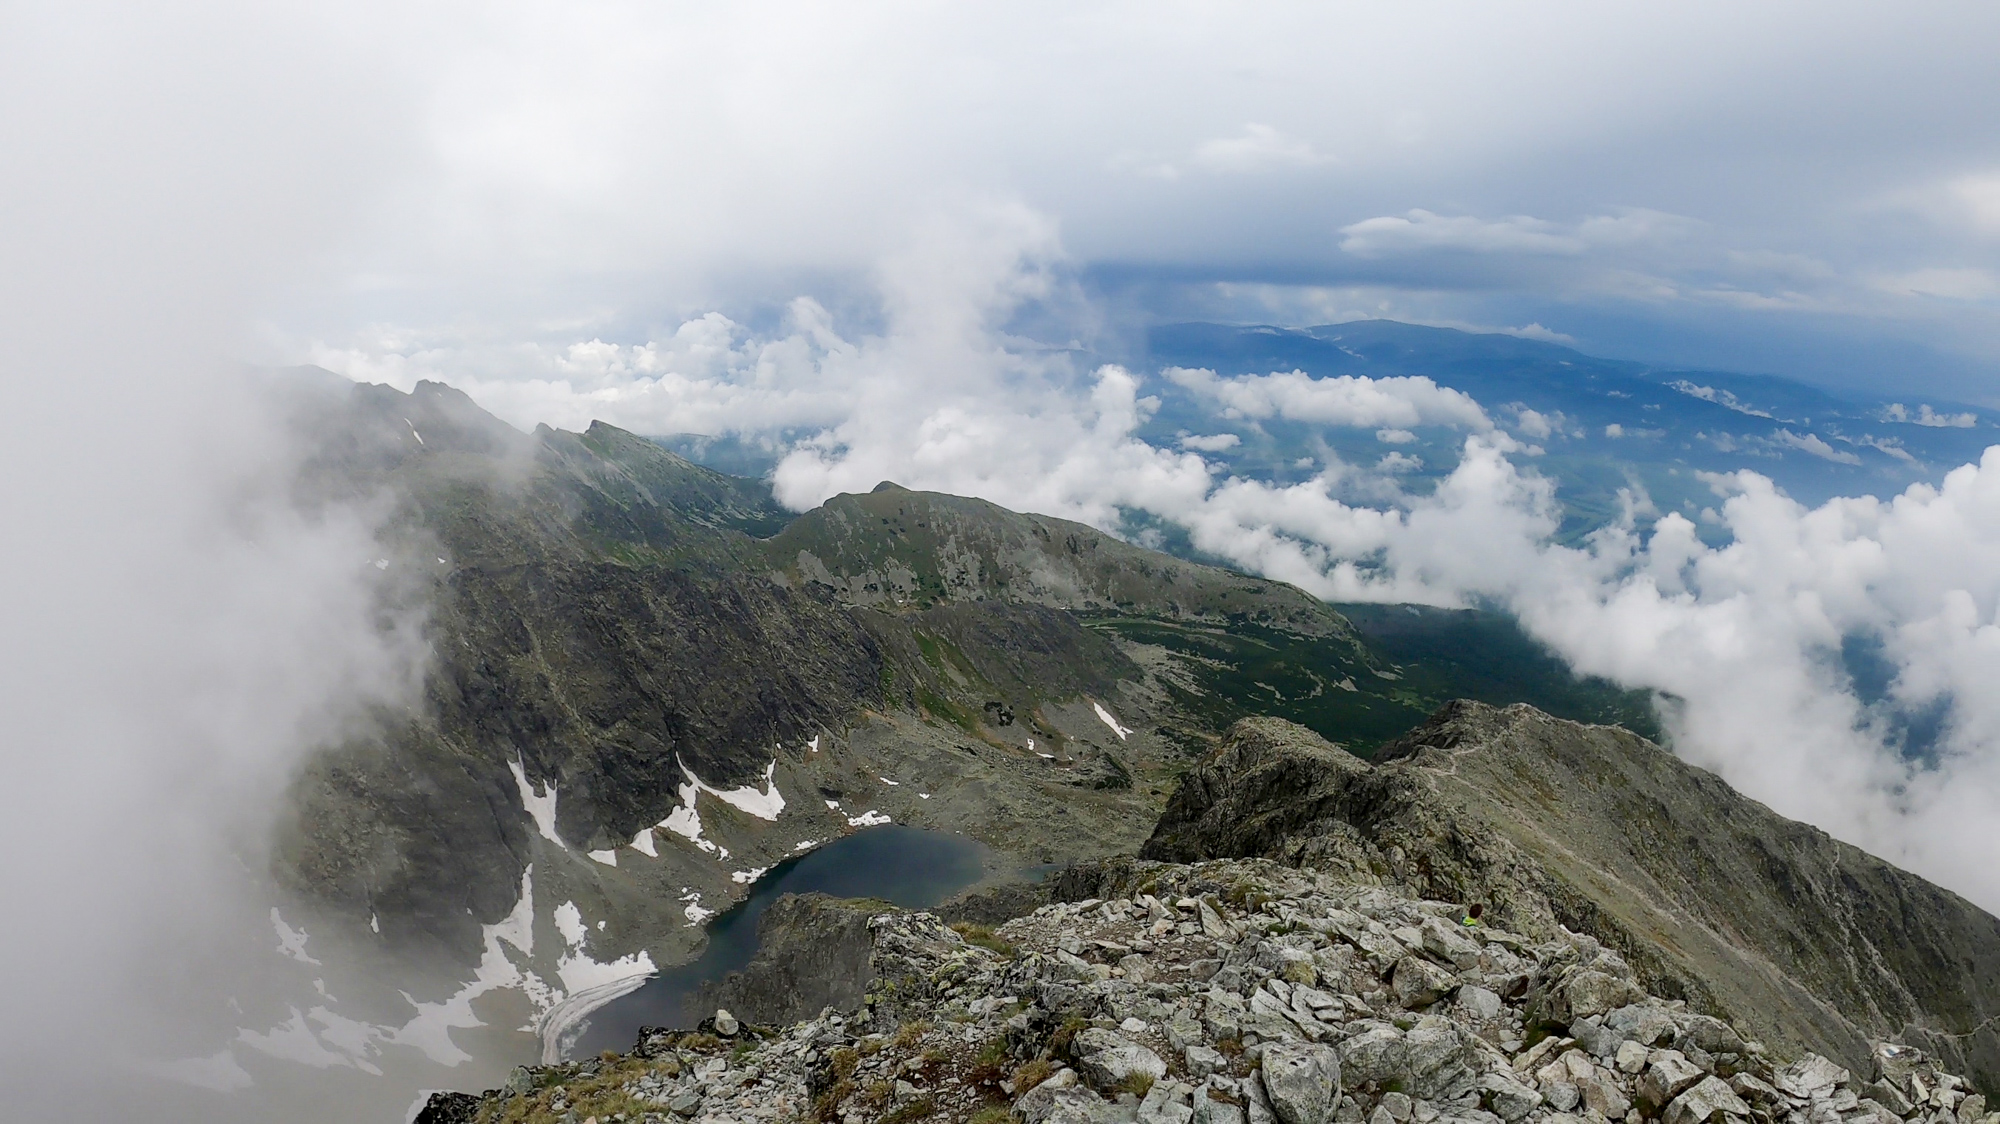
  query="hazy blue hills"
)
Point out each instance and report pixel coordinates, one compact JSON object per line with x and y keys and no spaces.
{"x":1600,"y":424}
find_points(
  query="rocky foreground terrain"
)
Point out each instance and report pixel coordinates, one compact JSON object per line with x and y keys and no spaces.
{"x":1228,"y":991}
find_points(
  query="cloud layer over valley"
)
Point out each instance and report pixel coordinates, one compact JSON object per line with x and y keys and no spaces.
{"x":1794,"y":649}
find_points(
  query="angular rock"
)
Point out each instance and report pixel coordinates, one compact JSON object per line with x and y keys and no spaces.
{"x":1881,"y":1091}
{"x":1664,"y":1079}
{"x":1603,"y":1096}
{"x":1704,"y":1101}
{"x":1507,"y":1098}
{"x":1204,"y":1060}
{"x":1106,"y":1059}
{"x":1419,"y":983}
{"x":1296,"y":966}
{"x":1755,"y":1090}
{"x":725,"y":1023}
{"x":1810,"y":1076}
{"x":1302,"y":1081}
{"x":1161,"y":1105}
{"x":1597,"y":993}
{"x":1208,"y":1110}
{"x":1073,"y":1104}
{"x":1373,"y":1057}
{"x":1447,"y":943}
{"x":1562,"y":1096}
{"x":1439,"y":1060}
{"x":1478,"y":1002}
{"x":1212,"y":923}
{"x":1631,"y":1057}
{"x":1644,"y":1023}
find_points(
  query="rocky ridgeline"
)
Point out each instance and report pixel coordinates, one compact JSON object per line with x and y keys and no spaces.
{"x":1228,"y":992}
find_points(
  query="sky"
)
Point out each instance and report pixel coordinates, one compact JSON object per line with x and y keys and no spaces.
{"x":1806,"y":189}
{"x":919,"y":242}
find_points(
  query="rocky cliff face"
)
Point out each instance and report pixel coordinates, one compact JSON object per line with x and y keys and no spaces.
{"x":813,"y":952}
{"x":1231,"y":992}
{"x":1806,"y":942}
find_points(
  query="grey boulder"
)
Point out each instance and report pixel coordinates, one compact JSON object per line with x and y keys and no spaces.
{"x":1302,"y":1081}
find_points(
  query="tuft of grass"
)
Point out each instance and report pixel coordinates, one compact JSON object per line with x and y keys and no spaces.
{"x":877,"y":1094}
{"x":988,"y":1065}
{"x":984,"y":937}
{"x":826,"y":1106}
{"x":910,"y":1033}
{"x":1229,"y":1047}
{"x":1137,"y":1084}
{"x":842,"y":1062}
{"x":1060,"y":1040}
{"x":1031,"y":1074}
{"x":992,"y":1114}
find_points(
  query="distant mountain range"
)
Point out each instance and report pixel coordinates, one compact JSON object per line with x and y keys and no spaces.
{"x":1600,"y":424}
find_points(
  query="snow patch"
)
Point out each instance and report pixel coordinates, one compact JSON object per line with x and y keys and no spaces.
{"x":374,"y":923}
{"x":291,"y":942}
{"x":833,"y":805}
{"x":643,"y":843}
{"x":923,"y":796}
{"x":294,"y":1041}
{"x":813,"y":745}
{"x":608,"y":858}
{"x":805,"y":844}
{"x":569,"y":923}
{"x":694,"y":912}
{"x":869,"y":818}
{"x":540,"y":806}
{"x":763,"y":803}
{"x":745,"y":877}
{"x":1108,"y":720}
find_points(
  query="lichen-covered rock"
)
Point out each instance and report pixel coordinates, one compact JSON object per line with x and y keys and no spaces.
{"x":1108,"y":1060}
{"x":1302,"y":1082}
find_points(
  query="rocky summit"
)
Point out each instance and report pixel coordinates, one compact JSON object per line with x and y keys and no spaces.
{"x":1225,"y":992}
{"x":1809,"y":943}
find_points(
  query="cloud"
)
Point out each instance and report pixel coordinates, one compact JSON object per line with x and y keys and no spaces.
{"x":1344,"y":400}
{"x":1816,"y":445}
{"x":1962,"y":284}
{"x":1257,"y":148}
{"x":1979,"y":197}
{"x":1747,"y":634}
{"x":1421,"y":230}
{"x":1925,"y":415}
{"x":1215,"y":443}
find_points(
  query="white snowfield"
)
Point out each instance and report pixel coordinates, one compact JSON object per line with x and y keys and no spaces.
{"x":1108,"y":720}
{"x":685,"y":821}
{"x":291,"y":942}
{"x":321,"y":1037}
{"x":540,"y":806}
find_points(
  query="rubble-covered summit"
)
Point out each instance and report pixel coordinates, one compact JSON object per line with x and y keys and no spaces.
{"x":1229,"y":992}
{"x":1806,"y":941}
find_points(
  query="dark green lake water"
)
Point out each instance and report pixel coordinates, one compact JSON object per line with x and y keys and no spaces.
{"x":909,"y":866}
